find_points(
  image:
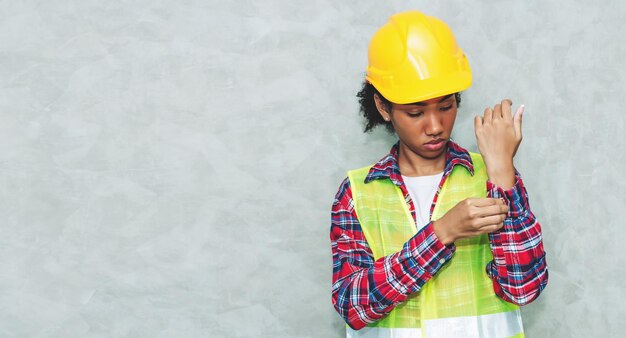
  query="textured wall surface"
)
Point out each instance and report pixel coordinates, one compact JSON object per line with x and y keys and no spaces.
{"x":167,"y":167}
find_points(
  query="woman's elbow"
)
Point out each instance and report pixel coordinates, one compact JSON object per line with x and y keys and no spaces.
{"x":349,"y":316}
{"x":524,"y":296}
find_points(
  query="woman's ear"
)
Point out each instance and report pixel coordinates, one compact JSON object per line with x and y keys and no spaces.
{"x":382,"y":108}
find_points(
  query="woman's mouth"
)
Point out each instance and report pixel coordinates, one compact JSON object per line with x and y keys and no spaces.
{"x":435,"y":144}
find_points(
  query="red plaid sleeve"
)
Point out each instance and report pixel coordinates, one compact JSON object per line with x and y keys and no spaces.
{"x":364,"y":290}
{"x":518,"y":270}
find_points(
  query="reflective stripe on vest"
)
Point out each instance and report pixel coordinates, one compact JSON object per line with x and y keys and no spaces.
{"x":460,"y":297}
{"x":505,"y":324}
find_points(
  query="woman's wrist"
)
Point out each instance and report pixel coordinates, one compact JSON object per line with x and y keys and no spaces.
{"x":502,"y":174}
{"x":440,"y":231}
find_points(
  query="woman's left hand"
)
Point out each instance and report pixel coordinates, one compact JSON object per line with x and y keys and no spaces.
{"x":499,"y":135}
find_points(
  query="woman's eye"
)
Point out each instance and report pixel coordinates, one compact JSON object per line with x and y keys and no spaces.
{"x":446,"y":108}
{"x":415,"y":114}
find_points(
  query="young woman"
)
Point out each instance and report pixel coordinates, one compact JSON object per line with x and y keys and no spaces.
{"x":432,"y":240}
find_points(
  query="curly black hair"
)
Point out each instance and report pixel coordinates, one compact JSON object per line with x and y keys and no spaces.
{"x":370,"y":112}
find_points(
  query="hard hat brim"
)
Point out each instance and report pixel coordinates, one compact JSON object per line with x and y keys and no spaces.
{"x":425,"y":89}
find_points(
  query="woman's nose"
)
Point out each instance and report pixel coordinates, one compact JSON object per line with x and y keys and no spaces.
{"x":434,"y":126}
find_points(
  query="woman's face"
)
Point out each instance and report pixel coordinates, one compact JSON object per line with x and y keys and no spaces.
{"x":423,"y":127}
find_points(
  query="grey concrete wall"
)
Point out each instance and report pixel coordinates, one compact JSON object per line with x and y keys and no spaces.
{"x":167,"y":167}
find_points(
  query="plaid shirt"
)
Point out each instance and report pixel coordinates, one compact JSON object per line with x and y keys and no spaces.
{"x":365,"y":290}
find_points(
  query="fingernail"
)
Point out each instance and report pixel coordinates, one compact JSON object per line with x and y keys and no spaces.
{"x":520,"y":110}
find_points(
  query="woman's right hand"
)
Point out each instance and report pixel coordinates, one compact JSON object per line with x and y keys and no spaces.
{"x":471,"y":217}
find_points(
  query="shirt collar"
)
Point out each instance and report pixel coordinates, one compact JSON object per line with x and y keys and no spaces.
{"x":388,"y":166}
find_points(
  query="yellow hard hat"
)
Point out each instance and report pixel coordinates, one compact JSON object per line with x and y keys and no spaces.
{"x":415,"y":57}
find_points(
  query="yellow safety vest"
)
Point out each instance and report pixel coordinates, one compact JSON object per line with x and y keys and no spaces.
{"x":459,"y":300}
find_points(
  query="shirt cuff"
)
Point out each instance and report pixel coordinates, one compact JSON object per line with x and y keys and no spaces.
{"x":516,"y":197}
{"x":428,"y":251}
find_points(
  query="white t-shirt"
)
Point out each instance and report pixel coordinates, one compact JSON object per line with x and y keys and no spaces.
{"x":422,"y":190}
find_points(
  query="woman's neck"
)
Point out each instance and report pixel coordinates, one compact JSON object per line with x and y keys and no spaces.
{"x":412,"y":164}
